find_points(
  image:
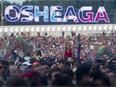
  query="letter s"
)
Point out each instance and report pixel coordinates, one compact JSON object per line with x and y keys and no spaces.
{"x":26,"y":12}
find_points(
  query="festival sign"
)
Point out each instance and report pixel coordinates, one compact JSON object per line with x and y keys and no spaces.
{"x":51,"y":14}
{"x":25,"y":14}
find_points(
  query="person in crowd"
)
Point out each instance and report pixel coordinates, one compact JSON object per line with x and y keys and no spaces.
{"x":62,"y":80}
{"x":68,"y":51}
{"x":69,"y":72}
{"x":68,"y":54}
{"x":100,"y":78}
{"x":4,"y":70}
{"x":1,"y":82}
{"x":53,"y":72}
{"x":16,"y":80}
{"x":32,"y":78}
{"x":83,"y":73}
{"x":28,"y":57}
{"x":87,"y":84}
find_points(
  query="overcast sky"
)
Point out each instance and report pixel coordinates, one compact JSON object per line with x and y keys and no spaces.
{"x":16,"y":1}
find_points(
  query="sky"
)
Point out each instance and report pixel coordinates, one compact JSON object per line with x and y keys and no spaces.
{"x":16,"y":1}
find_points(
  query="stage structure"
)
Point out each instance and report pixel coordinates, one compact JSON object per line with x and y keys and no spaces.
{"x":57,"y":30}
{"x":79,"y":16}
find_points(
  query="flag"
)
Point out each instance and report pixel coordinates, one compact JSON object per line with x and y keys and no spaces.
{"x":7,"y":44}
{"x":78,"y":50}
{"x":101,"y":50}
{"x":17,"y":36}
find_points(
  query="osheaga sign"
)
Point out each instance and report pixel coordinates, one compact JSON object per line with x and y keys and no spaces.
{"x":30,"y":13}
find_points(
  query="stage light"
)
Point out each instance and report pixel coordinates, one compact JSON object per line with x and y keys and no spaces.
{"x":74,"y":28}
{"x":37,"y":29}
{"x":79,"y":28}
{"x":22,"y":29}
{"x":32,"y":29}
{"x":105,"y":28}
{"x":43,"y":29}
{"x":0,"y":29}
{"x":69,"y":28}
{"x":64,"y":28}
{"x":115,"y":27}
{"x":110,"y":27}
{"x":100,"y":28}
{"x":95,"y":28}
{"x":58,"y":28}
{"x":90,"y":28}
{"x":85,"y":28}
{"x":48,"y":29}
{"x":27,"y":29}
{"x":11,"y":29}
{"x":16,"y":29}
{"x":53,"y":29}
{"x":6,"y":29}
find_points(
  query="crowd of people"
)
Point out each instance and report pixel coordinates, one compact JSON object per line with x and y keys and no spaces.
{"x":42,"y":60}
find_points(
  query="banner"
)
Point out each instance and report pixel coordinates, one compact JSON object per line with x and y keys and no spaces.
{"x":64,"y":12}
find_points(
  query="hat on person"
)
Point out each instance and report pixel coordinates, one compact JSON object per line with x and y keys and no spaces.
{"x":36,"y":63}
{"x":27,"y":63}
{"x":70,"y":59}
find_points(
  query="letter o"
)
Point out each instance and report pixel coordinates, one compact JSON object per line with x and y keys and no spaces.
{"x":8,"y":16}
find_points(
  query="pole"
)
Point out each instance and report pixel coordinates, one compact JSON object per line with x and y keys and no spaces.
{"x":2,"y":12}
{"x":78,"y":51}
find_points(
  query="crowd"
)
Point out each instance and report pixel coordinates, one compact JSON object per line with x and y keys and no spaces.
{"x":42,"y":60}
